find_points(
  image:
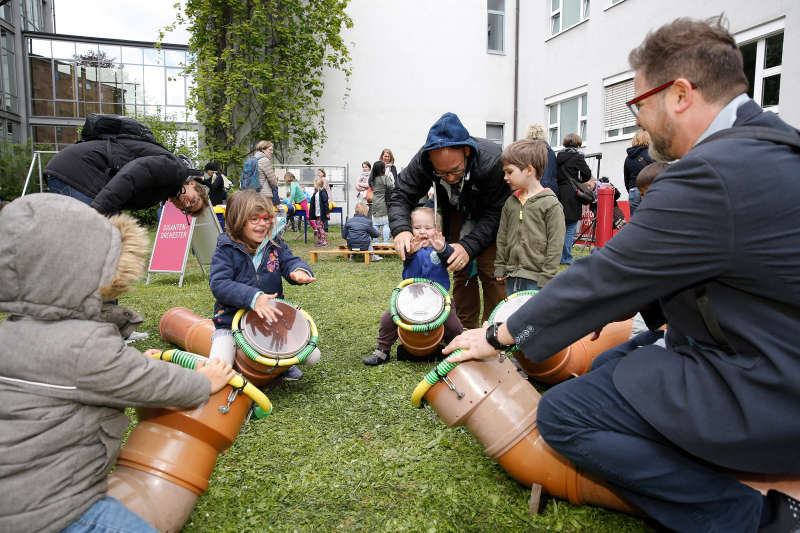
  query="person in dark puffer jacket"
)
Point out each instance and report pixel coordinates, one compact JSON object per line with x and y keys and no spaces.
{"x":358,"y":231}
{"x":147,"y":174}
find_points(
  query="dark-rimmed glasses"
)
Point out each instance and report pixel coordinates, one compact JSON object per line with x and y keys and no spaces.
{"x":633,"y":105}
{"x":457,"y":173}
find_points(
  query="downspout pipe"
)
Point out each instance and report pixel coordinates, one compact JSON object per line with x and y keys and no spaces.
{"x":516,"y":67}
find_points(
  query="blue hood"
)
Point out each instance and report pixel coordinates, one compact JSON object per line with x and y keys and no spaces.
{"x":446,"y":132}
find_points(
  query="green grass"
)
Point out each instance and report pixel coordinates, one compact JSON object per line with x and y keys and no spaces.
{"x":344,"y":450}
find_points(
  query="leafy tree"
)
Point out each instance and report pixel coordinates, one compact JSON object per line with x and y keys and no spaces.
{"x":15,"y":160}
{"x":258,"y":68}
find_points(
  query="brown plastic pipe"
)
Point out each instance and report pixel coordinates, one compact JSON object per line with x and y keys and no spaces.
{"x":183,"y":328}
{"x":167,"y":460}
{"x":576,"y":359}
{"x":421,"y":343}
{"x":499,"y":408}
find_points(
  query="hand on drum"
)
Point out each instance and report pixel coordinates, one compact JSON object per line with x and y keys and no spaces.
{"x":402,"y":242}
{"x":264,"y":308}
{"x":459,"y":259}
{"x":216,"y":370}
{"x":473,"y":344}
{"x":302,"y":277}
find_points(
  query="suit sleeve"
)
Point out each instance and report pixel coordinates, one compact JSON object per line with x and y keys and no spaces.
{"x":681,"y":237}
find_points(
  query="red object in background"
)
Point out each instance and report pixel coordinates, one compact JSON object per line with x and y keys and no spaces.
{"x":605,"y":216}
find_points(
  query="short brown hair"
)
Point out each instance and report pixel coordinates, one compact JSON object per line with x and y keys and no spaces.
{"x":641,"y":138}
{"x":649,"y":173}
{"x":238,"y":209}
{"x":572,"y":140}
{"x":391,"y":155}
{"x":702,"y":52}
{"x":526,"y":152}
{"x":263,"y":145}
{"x":362,"y":208}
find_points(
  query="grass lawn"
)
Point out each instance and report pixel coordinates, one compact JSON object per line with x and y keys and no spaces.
{"x":344,"y":450}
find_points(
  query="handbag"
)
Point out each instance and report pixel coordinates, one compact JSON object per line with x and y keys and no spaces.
{"x":583,"y":193}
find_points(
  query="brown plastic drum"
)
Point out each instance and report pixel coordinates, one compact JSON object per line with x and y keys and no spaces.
{"x":181,"y":445}
{"x":183,"y":328}
{"x":283,"y":339}
{"x":420,"y":303}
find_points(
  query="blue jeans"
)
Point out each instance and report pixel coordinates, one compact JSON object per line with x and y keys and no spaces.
{"x":589,"y":422}
{"x":569,"y":240}
{"x":109,"y":516}
{"x":57,"y":186}
{"x":520,"y":284}
{"x":634,"y":199}
{"x":382,"y":225}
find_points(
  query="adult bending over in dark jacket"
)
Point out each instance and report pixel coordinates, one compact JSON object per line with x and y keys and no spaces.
{"x":638,"y":158}
{"x":112,"y":175}
{"x":571,"y":165}
{"x":471,"y":192}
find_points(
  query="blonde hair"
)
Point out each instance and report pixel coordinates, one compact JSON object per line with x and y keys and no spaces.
{"x":427,"y":211}
{"x":536,"y":132}
{"x":319,"y":183}
{"x":362,"y":208}
{"x":641,"y":138}
{"x":241,"y":206}
{"x":323,"y":172}
{"x":526,"y":152}
{"x":289,"y":177}
{"x":264,"y":145}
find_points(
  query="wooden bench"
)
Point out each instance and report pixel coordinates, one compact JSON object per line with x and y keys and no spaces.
{"x":314,"y":254}
{"x":375,"y":246}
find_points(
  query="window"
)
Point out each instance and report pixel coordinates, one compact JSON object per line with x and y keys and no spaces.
{"x":567,"y":116}
{"x":494,"y":132}
{"x":566,"y":13}
{"x":763,"y":60}
{"x":617,"y":118}
{"x":496,"y":26}
{"x":8,"y":73}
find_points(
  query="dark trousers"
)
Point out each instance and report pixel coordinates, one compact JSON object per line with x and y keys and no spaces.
{"x":467,"y":291}
{"x":387,"y":331}
{"x":589,"y":422}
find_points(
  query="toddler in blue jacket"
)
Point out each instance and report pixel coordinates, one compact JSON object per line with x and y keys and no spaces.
{"x":246,"y":271}
{"x":427,"y":259}
{"x":358,"y":231}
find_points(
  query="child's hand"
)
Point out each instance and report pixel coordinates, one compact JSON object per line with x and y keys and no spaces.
{"x":301,"y":277}
{"x":264,"y":308}
{"x":151,"y":352}
{"x":414,"y":245}
{"x":501,"y":279}
{"x":437,"y":241}
{"x":218,"y":371}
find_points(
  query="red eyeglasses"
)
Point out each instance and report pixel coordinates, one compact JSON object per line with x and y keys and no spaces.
{"x":633,"y":105}
{"x":255,"y":219}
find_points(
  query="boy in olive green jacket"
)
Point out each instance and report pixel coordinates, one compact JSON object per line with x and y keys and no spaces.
{"x":531,"y":232}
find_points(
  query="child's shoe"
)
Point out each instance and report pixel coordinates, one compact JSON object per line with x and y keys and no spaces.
{"x":375,"y":257}
{"x":293,"y":374}
{"x":376,"y":358}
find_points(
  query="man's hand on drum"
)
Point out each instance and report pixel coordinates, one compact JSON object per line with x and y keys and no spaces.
{"x":459,"y":259}
{"x":264,"y":308}
{"x":473,"y":345}
{"x":302,"y":277}
{"x":218,"y":371}
{"x":402,"y":243}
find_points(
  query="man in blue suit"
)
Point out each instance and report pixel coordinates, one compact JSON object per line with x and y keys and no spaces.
{"x":709,"y":252}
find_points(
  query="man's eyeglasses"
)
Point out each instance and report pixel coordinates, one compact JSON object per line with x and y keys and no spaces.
{"x":458,"y":173}
{"x":633,"y":105}
{"x":255,"y":219}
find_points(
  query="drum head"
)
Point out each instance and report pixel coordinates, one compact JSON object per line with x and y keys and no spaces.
{"x":419,"y":303}
{"x":509,"y":307}
{"x":283,"y":338}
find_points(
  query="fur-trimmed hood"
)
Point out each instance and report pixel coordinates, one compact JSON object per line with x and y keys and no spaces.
{"x":60,"y":259}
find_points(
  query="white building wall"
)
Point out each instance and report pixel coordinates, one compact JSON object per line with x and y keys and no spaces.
{"x":598,"y":48}
{"x":413,"y":60}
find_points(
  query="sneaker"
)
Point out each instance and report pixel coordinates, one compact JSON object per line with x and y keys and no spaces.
{"x":293,"y":374}
{"x":376,"y":358}
{"x":375,"y":257}
{"x":136,"y":336}
{"x":785,"y":513}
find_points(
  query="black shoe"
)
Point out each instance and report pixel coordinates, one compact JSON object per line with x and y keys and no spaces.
{"x":376,"y":358}
{"x":785,"y":513}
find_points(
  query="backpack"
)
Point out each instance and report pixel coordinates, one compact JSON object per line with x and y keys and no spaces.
{"x":113,"y":127}
{"x":249,"y":178}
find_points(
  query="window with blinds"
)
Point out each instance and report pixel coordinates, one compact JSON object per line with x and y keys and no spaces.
{"x":618,"y":120}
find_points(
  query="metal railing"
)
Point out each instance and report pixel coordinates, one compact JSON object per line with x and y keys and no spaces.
{"x":37,"y":158}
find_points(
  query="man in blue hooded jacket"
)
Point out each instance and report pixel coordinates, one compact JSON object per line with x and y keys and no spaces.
{"x":470,"y":191}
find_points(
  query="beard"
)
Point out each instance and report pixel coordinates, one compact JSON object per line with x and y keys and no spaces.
{"x":660,"y":148}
